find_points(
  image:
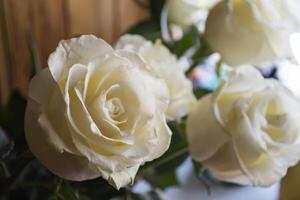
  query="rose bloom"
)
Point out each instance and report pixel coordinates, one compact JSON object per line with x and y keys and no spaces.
{"x":96,"y":112}
{"x":187,"y":12}
{"x":252,"y":32}
{"x":247,"y":131}
{"x":163,"y":64}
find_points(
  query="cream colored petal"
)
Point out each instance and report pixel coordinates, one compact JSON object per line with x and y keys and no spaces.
{"x":182,"y":99}
{"x":63,"y":164}
{"x":87,"y":147}
{"x":264,"y":172}
{"x":127,"y":92}
{"x":79,"y":50}
{"x":134,"y":59}
{"x":104,"y":122}
{"x":227,"y":165}
{"x":163,"y":139}
{"x":250,"y":32}
{"x":245,"y":78}
{"x":242,"y":83}
{"x":43,"y":92}
{"x":104,"y":153}
{"x":248,"y":147}
{"x":255,"y":157}
{"x":188,"y":12}
{"x":133,"y":43}
{"x":122,"y":178}
{"x":224,"y":165}
{"x":164,"y":65}
{"x":108,"y":71}
{"x":205,"y":135}
{"x":41,"y":87}
{"x":84,"y":122}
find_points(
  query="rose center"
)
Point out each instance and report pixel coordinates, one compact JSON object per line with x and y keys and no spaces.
{"x":275,"y":119}
{"x":114,"y":107}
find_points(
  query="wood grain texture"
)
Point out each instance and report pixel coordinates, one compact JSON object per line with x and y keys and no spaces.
{"x":5,"y":78}
{"x":91,"y":17}
{"x":129,"y":13}
{"x":4,"y":81}
{"x":18,"y":24}
{"x":47,"y":26}
{"x":43,"y":23}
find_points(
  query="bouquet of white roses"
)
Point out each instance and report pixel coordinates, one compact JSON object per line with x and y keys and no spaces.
{"x":136,"y":110}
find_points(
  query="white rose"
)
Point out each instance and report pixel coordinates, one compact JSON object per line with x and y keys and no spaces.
{"x":248,"y":131}
{"x":252,"y":31}
{"x":187,"y":12}
{"x":96,"y":111}
{"x":163,"y":64}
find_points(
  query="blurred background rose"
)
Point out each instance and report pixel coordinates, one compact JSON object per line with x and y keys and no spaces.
{"x":187,"y":12}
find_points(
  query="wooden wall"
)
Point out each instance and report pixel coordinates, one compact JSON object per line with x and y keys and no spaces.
{"x":43,"y":23}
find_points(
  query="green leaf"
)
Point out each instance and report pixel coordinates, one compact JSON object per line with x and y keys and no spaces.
{"x":161,"y":180}
{"x":197,"y":167}
{"x":202,"y":52}
{"x":189,"y":40}
{"x":64,"y":191}
{"x":155,"y":194}
{"x":91,"y":189}
{"x":12,"y":171}
{"x":156,"y":7}
{"x":148,"y":29}
{"x":219,"y":70}
{"x":200,"y":92}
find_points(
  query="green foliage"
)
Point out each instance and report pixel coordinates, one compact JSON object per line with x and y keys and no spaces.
{"x":63,"y":191}
{"x":161,"y":172}
{"x":96,"y":188}
{"x":152,"y":195}
{"x":148,"y":29}
{"x":156,"y":7}
{"x":190,"y":40}
{"x":202,"y":52}
{"x":200,"y":92}
{"x":219,"y":69}
{"x":14,"y":155}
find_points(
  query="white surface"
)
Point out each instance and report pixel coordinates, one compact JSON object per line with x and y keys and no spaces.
{"x":289,"y":73}
{"x":192,"y":189}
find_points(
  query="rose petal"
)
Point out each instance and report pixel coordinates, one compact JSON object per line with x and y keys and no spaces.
{"x":203,"y":127}
{"x":76,"y":51}
{"x":63,"y":164}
